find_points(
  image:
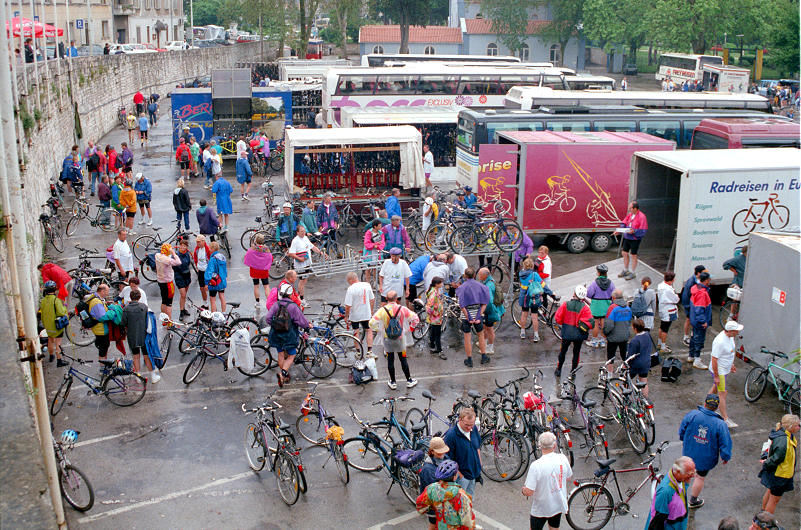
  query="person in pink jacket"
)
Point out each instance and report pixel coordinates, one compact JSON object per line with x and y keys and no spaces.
{"x":259,"y":259}
{"x":373,"y":245}
{"x":165,"y":261}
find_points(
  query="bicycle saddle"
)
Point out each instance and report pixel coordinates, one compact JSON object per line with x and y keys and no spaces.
{"x":234,"y":304}
{"x":473,"y":394}
{"x":156,"y":228}
{"x":588,"y":404}
{"x":427,"y":394}
{"x":500,"y":391}
{"x":105,"y":362}
{"x":626,"y":391}
{"x":556,"y":298}
{"x":417,"y":427}
{"x":283,"y":425}
{"x":332,"y":304}
{"x":605,"y":462}
{"x":640,"y":384}
{"x":330,"y":323}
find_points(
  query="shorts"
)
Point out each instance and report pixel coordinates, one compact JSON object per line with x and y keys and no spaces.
{"x":214,"y":293}
{"x":102,"y":342}
{"x":489,"y":322}
{"x":130,"y":215}
{"x":364,"y":324}
{"x":184,"y":164}
{"x":244,"y":179}
{"x":664,"y":326}
{"x":144,"y":204}
{"x":143,"y":135}
{"x":55,"y":334}
{"x":264,"y":281}
{"x":702,"y":473}
{"x":538,"y":523}
{"x":201,"y":278}
{"x":167,"y":291}
{"x":631,"y":246}
{"x":467,"y":326}
{"x":137,"y":350}
{"x":259,"y":274}
{"x":305,"y":273}
{"x":721,"y":386}
{"x":412,"y":292}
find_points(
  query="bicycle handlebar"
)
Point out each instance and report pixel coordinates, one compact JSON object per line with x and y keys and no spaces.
{"x":513,"y":381}
{"x":777,"y":353}
{"x":264,"y":407}
{"x":653,"y":455}
{"x":393,"y":399}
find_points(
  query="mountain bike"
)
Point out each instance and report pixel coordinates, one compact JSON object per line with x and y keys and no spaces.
{"x":319,"y":428}
{"x":51,"y":234}
{"x":546,"y":313}
{"x":591,"y":505}
{"x":149,"y":244}
{"x":757,"y":380}
{"x":75,"y":487}
{"x":578,"y":414}
{"x":106,"y":218}
{"x":415,"y":416}
{"x":277,"y":157}
{"x":314,"y":354}
{"x":486,"y":234}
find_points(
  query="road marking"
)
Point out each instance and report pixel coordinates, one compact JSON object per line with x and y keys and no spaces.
{"x":101,"y":439}
{"x":411,"y":515}
{"x":164,"y":498}
{"x":490,"y":520}
{"x":144,"y":431}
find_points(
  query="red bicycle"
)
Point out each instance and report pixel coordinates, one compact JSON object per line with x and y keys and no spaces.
{"x":744,"y":221}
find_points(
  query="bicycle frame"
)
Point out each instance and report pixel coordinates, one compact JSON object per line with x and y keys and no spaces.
{"x":651,"y":478}
{"x":778,"y":383}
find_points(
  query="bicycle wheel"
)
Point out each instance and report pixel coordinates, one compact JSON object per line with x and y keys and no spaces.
{"x":80,"y":209}
{"x":244,"y":323}
{"x":277,"y":162}
{"x":334,"y":250}
{"x":524,"y":444}
{"x":247,"y":237}
{"x":255,"y":449}
{"x":61,"y":396}
{"x":147,"y":272}
{"x":144,"y":245}
{"x":281,"y":264}
{"x":725,"y":312}
{"x":414,"y":415}
{"x":319,"y":359}
{"x":72,"y":225}
{"x":361,"y":454}
{"x":347,"y":347}
{"x":225,"y":246}
{"x":342,"y":463}
{"x":286,"y":476}
{"x":77,"y":334}
{"x":570,"y":413}
{"x":607,"y":401}
{"x":54,"y":237}
{"x":165,"y":346}
{"x":262,"y":360}
{"x":114,"y":220}
{"x":793,"y":403}
{"x":464,"y":240}
{"x":508,"y":237}
{"x":635,"y":431}
{"x":498,"y":273}
{"x":564,"y":445}
{"x":76,"y":488}
{"x":517,"y":312}
{"x":190,"y":340}
{"x":194,"y":367}
{"x":755,"y":383}
{"x":409,"y":483}
{"x":436,"y":238}
{"x":556,"y":328}
{"x":421,"y":331}
{"x":311,"y":428}
{"x":589,"y":507}
{"x":124,"y":390}
{"x":501,"y":456}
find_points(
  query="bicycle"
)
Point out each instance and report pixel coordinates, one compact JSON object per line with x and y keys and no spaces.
{"x":578,"y":414}
{"x":117,"y":383}
{"x":51,"y":234}
{"x":271,"y":435}
{"x":730,"y":307}
{"x":75,"y":487}
{"x":415,"y":416}
{"x":746,"y":220}
{"x":277,"y":157}
{"x":150,"y":244}
{"x":347,"y":346}
{"x":546,"y":313}
{"x":314,"y":354}
{"x":497,"y":234}
{"x":319,"y":428}
{"x":757,"y":380}
{"x":591,"y":505}
{"x":106,"y":218}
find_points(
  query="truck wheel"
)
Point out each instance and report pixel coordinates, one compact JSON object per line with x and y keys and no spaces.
{"x":577,"y":243}
{"x":600,"y":242}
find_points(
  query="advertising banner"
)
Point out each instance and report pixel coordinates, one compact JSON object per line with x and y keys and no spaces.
{"x":497,"y":176}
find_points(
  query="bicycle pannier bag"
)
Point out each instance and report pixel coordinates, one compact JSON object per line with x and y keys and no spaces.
{"x":360,"y":374}
{"x":671,"y":370}
{"x":394,"y":329}
{"x":409,"y":457}
{"x":497,"y":299}
{"x":281,"y":320}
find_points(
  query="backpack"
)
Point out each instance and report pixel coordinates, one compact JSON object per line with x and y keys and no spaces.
{"x":409,"y":457}
{"x":394,"y":330}
{"x":671,"y":370}
{"x":639,"y":306}
{"x":360,"y":374}
{"x":497,"y":298}
{"x":82,"y":310}
{"x":118,"y":162}
{"x":282,"y":322}
{"x":184,"y":156}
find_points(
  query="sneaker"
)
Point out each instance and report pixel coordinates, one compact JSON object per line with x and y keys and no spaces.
{"x":247,"y":198}
{"x":557,"y":372}
{"x":592,"y":343}
{"x":51,"y":358}
{"x":61,"y":363}
{"x":411,"y":383}
{"x":490,"y":348}
{"x":731,"y":424}
{"x":690,"y":358}
{"x":522,"y":333}
{"x":241,"y":197}
{"x":623,"y":274}
{"x":696,"y":504}
{"x":686,"y":340}
{"x":392,"y":385}
{"x":155,"y":376}
{"x":142,"y":221}
{"x":280,"y":380}
{"x":257,"y":305}
{"x":666,"y":349}
{"x":443,"y":356}
{"x":698,"y":364}
{"x":601,"y":343}
{"x":206,"y":187}
{"x":630,"y":275}
{"x":468,"y":362}
{"x":150,"y":222}
{"x":485,"y":358}
{"x":536,"y":337}
{"x":184,"y":313}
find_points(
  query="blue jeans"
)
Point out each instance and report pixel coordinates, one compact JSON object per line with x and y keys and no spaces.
{"x":697,"y":341}
{"x":185,"y":216}
{"x":104,"y":216}
{"x":94,"y":176}
{"x":208,"y":178}
{"x":468,"y":485}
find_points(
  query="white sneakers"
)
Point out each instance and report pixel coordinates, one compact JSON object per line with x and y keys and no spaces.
{"x":150,"y":221}
{"x":731,"y":424}
{"x":522,"y":333}
{"x":490,"y":348}
{"x":155,"y":376}
{"x":411,"y":383}
{"x":698,"y":364}
{"x":536,"y":337}
{"x":142,"y":221}
{"x":392,"y":385}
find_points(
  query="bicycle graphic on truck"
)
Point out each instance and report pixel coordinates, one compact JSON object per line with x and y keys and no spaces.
{"x":746,"y":220}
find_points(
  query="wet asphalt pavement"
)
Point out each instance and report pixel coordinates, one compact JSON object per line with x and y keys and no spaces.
{"x":176,"y":459}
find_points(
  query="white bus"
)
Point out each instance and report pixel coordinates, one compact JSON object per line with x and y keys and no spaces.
{"x":527,"y":97}
{"x":680,"y":67}
{"x":589,"y":82}
{"x":380,"y":59}
{"x":430,"y":85}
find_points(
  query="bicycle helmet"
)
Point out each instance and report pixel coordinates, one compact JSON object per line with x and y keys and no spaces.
{"x":287,"y":205}
{"x":218,"y":318}
{"x":446,"y":470}
{"x":50,"y":287}
{"x":602,"y":268}
{"x":580,"y":291}
{"x":205,"y":315}
{"x":286,"y":290}
{"x":69,"y":436}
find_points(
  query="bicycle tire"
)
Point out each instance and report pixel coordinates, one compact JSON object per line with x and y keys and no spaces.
{"x":793,"y":402}
{"x":148,"y":273}
{"x":70,"y":473}
{"x":262,"y":360}
{"x":555,"y":328}
{"x":225,"y":246}
{"x":436,"y":238}
{"x":635,"y":431}
{"x":194,"y":367}
{"x":61,"y":396}
{"x":497,"y":273}
{"x":564,"y":445}
{"x":362,"y":455}
{"x":725,"y":312}
{"x":570,"y":413}
{"x":54,"y":237}
{"x":280,"y":265}
{"x":409,"y":482}
{"x":72,"y":226}
{"x":255,"y":448}
{"x":189,"y":340}
{"x":277,"y":162}
{"x":114,"y":216}
{"x":247,"y":323}
{"x":342,"y":463}
{"x":247,"y":237}
{"x":133,"y":386}
{"x":286,"y":477}
{"x":80,"y":209}
{"x":463,"y":240}
{"x":755,"y":383}
{"x":508,"y":236}
{"x":584,"y":503}
{"x":76,"y":333}
{"x":347,"y":347}
{"x":311,"y":428}
{"x":143,"y":245}
{"x":517,"y":313}
{"x":165,"y":346}
{"x":526,"y":456}
{"x":420,"y":332}
{"x":607,"y":401}
{"x":415,"y":415}
{"x":319,"y":360}
{"x":501,"y":456}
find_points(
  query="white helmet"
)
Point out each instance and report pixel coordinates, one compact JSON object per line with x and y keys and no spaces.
{"x":217,"y":317}
{"x":580,"y":291}
{"x":286,"y":290}
{"x":164,"y":318}
{"x":205,"y":315}
{"x":287,"y":205}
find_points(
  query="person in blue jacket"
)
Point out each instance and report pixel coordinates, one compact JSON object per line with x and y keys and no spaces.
{"x":216,"y":276}
{"x":417,"y":267}
{"x":392,"y":204}
{"x":685,"y":301}
{"x":464,"y":443}
{"x":222,"y":191}
{"x":470,"y":198}
{"x":144,"y":192}
{"x":705,"y":437}
{"x":244,"y":175}
{"x":327,"y":216}
{"x":287,"y":224}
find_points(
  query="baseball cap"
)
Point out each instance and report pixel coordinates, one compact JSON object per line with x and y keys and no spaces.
{"x":287,"y":205}
{"x":438,"y":445}
{"x":395,"y":251}
{"x":468,"y":188}
{"x":429,"y":201}
{"x":139,"y":176}
{"x":733,"y":325}
{"x":712,"y":400}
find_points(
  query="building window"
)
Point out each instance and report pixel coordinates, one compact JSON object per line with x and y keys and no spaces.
{"x":105,"y":29}
{"x":138,"y":34}
{"x":555,"y":55}
{"x":524,"y":52}
{"x":378,"y":49}
{"x":492,"y":49}
{"x":430,"y":50}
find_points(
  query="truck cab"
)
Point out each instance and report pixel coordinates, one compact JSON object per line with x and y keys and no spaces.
{"x":739,"y":133}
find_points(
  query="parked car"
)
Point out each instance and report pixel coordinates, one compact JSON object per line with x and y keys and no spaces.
{"x":151,"y":46}
{"x":93,"y":49}
{"x":130,"y":49}
{"x":630,"y":69}
{"x":178,"y":45}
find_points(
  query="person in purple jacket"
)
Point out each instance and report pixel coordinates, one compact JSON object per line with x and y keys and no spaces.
{"x":286,"y":342}
{"x":600,"y":294}
{"x":473,"y":299}
{"x":207,"y":220}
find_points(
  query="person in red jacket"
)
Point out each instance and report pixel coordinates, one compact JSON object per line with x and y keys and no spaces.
{"x":576,"y":320}
{"x":139,"y":101}
{"x":51,"y":271}
{"x":183,"y":155}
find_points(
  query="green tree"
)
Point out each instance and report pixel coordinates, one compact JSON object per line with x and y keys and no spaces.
{"x":615,"y":22}
{"x":509,"y":20}
{"x":566,"y":18}
{"x":405,"y":13}
{"x":343,"y":13}
{"x":782,"y":36}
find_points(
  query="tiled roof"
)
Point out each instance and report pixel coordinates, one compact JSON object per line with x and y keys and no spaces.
{"x":483,"y":26}
{"x":422,"y":34}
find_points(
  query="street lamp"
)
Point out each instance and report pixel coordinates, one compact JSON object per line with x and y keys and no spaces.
{"x":741,"y":47}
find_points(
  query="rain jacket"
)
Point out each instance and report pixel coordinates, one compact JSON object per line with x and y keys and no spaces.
{"x":700,"y":305}
{"x":617,"y":327}
{"x":146,"y":187}
{"x":207,"y":220}
{"x":327,"y":219}
{"x":452,"y":506}
{"x":638,"y":224}
{"x":492,"y":311}
{"x":781,"y":457}
{"x":568,"y":316}
{"x":217,"y":265}
{"x":706,"y":437}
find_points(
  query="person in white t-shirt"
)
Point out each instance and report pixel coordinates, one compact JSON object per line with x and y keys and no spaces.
{"x":722,"y":364}
{"x":133,"y":285}
{"x":241,"y":147}
{"x":123,"y":256}
{"x":359,"y":300}
{"x":428,"y":164}
{"x":300,"y":250}
{"x":456,"y":267}
{"x":546,"y":484}
{"x":430,"y":211}
{"x":546,"y":267}
{"x":394,"y":276}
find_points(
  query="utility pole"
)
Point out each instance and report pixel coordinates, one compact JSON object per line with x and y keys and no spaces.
{"x":89,"y":25}
{"x":171,"y":33}
{"x":192,"y":20}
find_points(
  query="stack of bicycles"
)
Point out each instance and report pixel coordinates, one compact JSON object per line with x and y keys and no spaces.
{"x":472,"y":230}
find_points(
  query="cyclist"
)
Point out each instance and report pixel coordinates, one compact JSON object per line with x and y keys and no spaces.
{"x":287,"y":224}
{"x":546,"y":484}
{"x":669,"y":504}
{"x":359,"y":301}
{"x":144,"y":191}
{"x":144,"y":125}
{"x":494,"y":312}
{"x":300,"y":250}
{"x":392,"y":204}
{"x":532,"y":287}
{"x":700,"y":318}
{"x":259,"y":259}
{"x":216,"y":276}
{"x":134,"y":320}
{"x":285,"y":319}
{"x":244,"y":174}
{"x":437,"y":454}
{"x":575,"y":320}
{"x":328,"y":217}
{"x":474,"y":297}
{"x":600,"y":293}
{"x":453,"y":507}
{"x":52,"y":308}
{"x":166,"y":259}
{"x":222,"y":191}
{"x":395,"y":235}
{"x":390,"y":319}
{"x":131,"y":123}
{"x":557,"y":186}
{"x":722,"y":363}
{"x":470,"y":198}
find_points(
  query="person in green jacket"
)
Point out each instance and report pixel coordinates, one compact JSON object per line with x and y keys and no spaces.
{"x":779,"y":466}
{"x":309,"y":219}
{"x":493,"y":313}
{"x":51,"y":308}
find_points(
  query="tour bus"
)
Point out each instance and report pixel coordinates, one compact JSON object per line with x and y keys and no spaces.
{"x":380,"y":59}
{"x":589,"y":82}
{"x":430,"y":85}
{"x":477,"y":127}
{"x":681,"y":67}
{"x":750,"y":132}
{"x":529,"y":97}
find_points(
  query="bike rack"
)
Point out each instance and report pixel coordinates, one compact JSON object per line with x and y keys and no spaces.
{"x":353,"y":261}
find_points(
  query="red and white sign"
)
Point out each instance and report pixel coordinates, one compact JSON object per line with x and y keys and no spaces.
{"x":779,"y":296}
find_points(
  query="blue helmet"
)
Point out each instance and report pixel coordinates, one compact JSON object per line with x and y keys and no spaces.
{"x":69,"y":436}
{"x":446,"y":470}
{"x":50,"y":287}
